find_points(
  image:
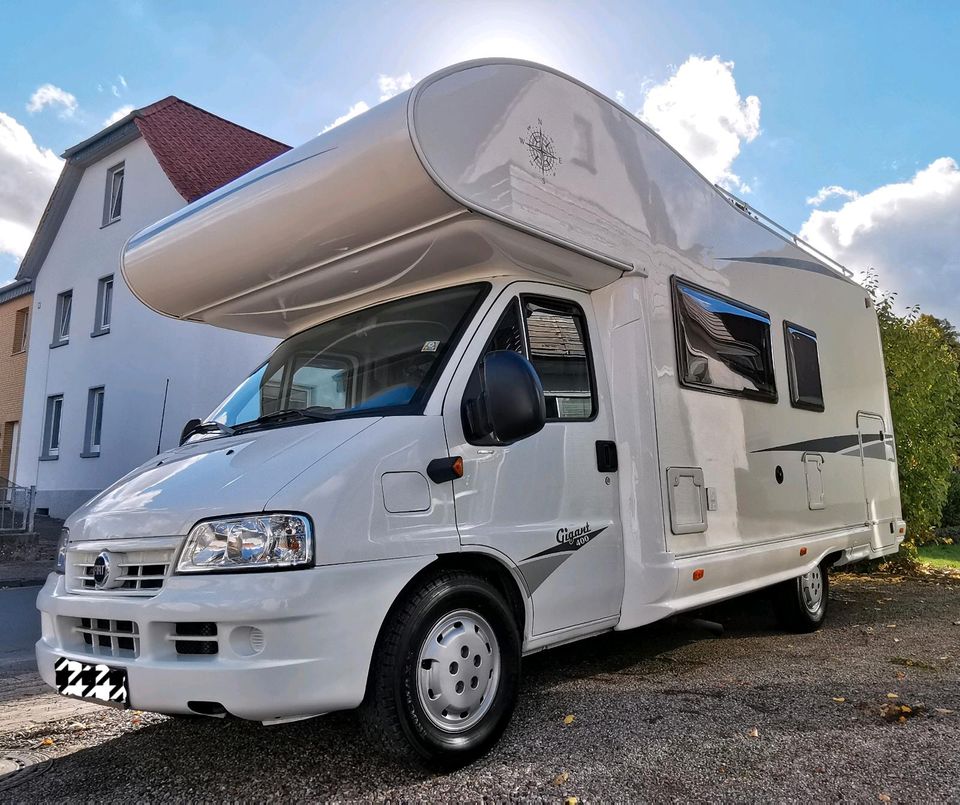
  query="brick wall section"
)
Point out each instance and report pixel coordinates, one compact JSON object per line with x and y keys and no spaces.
{"x":13,"y":369}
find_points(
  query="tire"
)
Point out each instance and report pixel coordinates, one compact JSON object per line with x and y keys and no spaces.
{"x":445,"y":673}
{"x":801,"y":604}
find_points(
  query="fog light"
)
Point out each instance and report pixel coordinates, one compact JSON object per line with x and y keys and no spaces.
{"x":247,"y":640}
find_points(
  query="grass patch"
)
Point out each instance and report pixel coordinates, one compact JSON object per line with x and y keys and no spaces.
{"x":947,"y":556}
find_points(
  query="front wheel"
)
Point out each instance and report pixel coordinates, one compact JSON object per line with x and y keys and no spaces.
{"x":445,"y":674}
{"x":801,"y":603}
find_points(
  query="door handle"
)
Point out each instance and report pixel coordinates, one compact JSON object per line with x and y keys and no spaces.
{"x":607,"y":456}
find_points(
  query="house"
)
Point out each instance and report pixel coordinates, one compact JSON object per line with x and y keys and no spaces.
{"x":15,"y":301}
{"x":110,"y":383}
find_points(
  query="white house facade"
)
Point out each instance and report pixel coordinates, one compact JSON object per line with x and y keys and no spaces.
{"x":110,"y":383}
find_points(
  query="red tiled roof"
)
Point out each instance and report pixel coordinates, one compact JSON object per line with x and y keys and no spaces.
{"x":199,"y":151}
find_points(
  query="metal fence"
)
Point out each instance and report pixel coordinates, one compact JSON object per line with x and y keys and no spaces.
{"x":16,"y":507}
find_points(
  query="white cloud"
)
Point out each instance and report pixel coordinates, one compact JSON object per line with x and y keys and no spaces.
{"x":50,"y":95}
{"x":829,"y":192}
{"x":27,"y":175}
{"x":391,"y":85}
{"x":123,"y":81}
{"x":357,"y":109}
{"x":699,"y":111}
{"x":620,"y":96}
{"x":121,"y":113}
{"x":907,"y":232}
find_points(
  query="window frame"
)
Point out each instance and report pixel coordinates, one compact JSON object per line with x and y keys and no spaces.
{"x":795,"y":400}
{"x":109,"y":197}
{"x":24,"y":332}
{"x":91,"y":450}
{"x":771,"y":398}
{"x":515,"y":306}
{"x":49,"y":452}
{"x":59,"y":339}
{"x":587,"y":348}
{"x":99,"y":328}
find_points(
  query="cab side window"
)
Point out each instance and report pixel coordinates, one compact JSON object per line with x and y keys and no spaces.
{"x":553,"y":337}
{"x":557,"y":348}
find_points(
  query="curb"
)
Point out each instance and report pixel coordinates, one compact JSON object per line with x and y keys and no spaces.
{"x":10,"y":583}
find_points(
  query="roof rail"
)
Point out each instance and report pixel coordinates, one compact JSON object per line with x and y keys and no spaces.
{"x":772,"y":225}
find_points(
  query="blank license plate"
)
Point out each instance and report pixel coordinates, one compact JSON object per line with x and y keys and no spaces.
{"x":99,"y":683}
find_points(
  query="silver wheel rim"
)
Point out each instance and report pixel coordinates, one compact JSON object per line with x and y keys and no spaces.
{"x":458,"y":671}
{"x":811,"y":590}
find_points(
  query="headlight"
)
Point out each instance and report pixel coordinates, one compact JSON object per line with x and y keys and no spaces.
{"x":248,"y":542}
{"x":62,"y":550}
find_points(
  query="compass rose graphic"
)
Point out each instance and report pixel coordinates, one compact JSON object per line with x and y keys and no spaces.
{"x":542,"y":152}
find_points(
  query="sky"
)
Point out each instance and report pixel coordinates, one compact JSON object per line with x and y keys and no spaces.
{"x":839,"y":120}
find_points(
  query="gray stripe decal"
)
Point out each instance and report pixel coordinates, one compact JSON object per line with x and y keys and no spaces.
{"x":827,"y":444}
{"x":789,"y":262}
{"x":198,"y":205}
{"x":536,"y":571}
{"x":537,"y":568}
{"x":848,"y":445}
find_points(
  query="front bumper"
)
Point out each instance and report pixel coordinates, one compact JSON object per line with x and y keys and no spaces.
{"x":318,"y":629}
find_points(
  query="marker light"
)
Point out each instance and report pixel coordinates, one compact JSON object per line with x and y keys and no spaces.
{"x":698,"y":574}
{"x":278,"y":541}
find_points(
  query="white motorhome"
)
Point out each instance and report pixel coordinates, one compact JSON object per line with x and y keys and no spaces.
{"x":540,"y":380}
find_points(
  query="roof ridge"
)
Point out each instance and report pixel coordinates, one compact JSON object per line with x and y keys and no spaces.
{"x":172,"y":99}
{"x":157,"y":106}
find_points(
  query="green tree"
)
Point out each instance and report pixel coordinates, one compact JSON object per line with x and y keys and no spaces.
{"x":924,"y":383}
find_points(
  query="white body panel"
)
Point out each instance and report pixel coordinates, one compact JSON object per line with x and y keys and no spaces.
{"x":437,"y":187}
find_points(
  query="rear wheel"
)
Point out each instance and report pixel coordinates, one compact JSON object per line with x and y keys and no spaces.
{"x":801,"y":603}
{"x":445,"y":674}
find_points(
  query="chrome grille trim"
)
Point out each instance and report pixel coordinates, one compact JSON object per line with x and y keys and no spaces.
{"x":144,"y":566}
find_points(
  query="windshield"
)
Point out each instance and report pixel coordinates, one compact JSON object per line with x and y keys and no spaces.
{"x":378,"y":361}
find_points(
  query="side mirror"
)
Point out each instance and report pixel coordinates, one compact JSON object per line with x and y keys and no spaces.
{"x":510,"y":405}
{"x":188,"y":430}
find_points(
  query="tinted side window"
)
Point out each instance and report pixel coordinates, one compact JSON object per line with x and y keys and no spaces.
{"x":803,"y":367}
{"x":722,"y":345}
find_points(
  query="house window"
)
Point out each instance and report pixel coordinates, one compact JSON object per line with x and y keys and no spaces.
{"x":61,"y":327}
{"x":101,"y":323}
{"x":21,"y":330}
{"x":94,"y":426}
{"x":113,"y":198}
{"x":8,"y":451}
{"x":803,"y":367}
{"x":723,"y":346}
{"x":51,"y":427}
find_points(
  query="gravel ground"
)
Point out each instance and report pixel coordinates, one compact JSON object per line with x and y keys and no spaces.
{"x":669,"y":712}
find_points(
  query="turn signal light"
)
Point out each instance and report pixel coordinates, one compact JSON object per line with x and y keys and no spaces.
{"x":803,"y":551}
{"x":698,"y":574}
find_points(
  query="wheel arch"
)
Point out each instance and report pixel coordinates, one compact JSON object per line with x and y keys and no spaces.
{"x":505,"y":577}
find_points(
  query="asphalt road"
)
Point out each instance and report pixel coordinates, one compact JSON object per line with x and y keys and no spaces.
{"x":664,"y":713}
{"x":20,"y":628}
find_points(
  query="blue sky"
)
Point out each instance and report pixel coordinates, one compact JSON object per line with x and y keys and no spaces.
{"x":858,"y":96}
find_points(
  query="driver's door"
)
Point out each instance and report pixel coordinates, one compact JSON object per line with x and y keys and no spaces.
{"x":547,"y":502}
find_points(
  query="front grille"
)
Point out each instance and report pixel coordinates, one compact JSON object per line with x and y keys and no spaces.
{"x":108,"y":638}
{"x":136,"y":572}
{"x":194,"y":638}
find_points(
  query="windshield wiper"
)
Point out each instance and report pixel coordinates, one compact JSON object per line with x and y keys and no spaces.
{"x":316,"y":413}
{"x":207,"y":427}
